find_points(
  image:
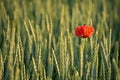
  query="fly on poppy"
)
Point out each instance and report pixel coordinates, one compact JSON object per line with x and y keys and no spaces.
{"x":84,"y":31}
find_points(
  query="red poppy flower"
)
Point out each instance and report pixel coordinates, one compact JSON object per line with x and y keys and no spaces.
{"x":84,"y":31}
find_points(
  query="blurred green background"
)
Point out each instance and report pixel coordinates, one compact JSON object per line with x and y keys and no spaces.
{"x":37,"y":40}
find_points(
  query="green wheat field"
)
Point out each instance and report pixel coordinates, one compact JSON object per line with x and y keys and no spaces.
{"x":38,"y":42}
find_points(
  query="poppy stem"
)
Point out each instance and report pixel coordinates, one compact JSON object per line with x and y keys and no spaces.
{"x":79,"y":41}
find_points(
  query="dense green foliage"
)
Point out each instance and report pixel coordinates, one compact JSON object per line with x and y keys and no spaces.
{"x":38,"y":42}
